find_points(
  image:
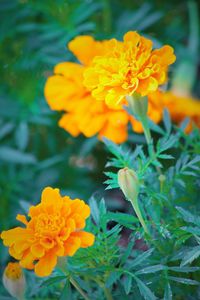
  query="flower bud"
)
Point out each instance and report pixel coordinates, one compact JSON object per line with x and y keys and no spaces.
{"x":14,"y":280}
{"x":128,"y":183}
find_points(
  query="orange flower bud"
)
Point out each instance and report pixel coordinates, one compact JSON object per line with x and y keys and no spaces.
{"x":129,"y":183}
{"x":14,"y":280}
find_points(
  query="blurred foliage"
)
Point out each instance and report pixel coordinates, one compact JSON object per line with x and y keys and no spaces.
{"x":34,"y":152}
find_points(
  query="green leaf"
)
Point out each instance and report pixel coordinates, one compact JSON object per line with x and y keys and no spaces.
{"x":113,"y":277}
{"x":6,"y":129}
{"x":22,"y":136}
{"x":182,"y":269}
{"x":15,"y":156}
{"x":168,"y":292}
{"x":123,"y":219}
{"x":188,"y":217}
{"x":127,"y":284}
{"x":155,"y":127}
{"x":151,"y":269}
{"x":167,"y":143}
{"x":144,"y":290}
{"x":193,"y":230}
{"x":94,"y":209}
{"x":140,"y":258}
{"x":66,"y":292}
{"x":184,"y":280}
{"x":190,"y":256}
{"x":167,"y":121}
{"x":52,"y":280}
{"x":165,"y":156}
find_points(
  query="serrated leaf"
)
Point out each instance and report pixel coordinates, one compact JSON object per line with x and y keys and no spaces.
{"x":184,"y":280}
{"x":169,"y":143}
{"x":190,"y":256}
{"x":188,"y":217}
{"x":140,"y":258}
{"x":144,"y":290}
{"x":193,"y":230}
{"x":151,"y":269}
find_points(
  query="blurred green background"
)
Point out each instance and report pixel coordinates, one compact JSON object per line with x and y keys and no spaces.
{"x":34,"y":151}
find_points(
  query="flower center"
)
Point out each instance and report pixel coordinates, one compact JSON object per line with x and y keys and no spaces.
{"x":48,"y":225}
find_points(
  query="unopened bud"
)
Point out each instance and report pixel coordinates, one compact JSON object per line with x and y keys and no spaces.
{"x":129,"y":183}
{"x":14,"y":280}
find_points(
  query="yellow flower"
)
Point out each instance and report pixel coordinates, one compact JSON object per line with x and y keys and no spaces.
{"x":55,"y":229}
{"x":14,"y":280}
{"x":179,"y":106}
{"x":65,"y":91}
{"x":127,"y":67}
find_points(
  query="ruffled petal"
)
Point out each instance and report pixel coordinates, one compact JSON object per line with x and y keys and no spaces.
{"x":46,"y":264}
{"x":87,"y":238}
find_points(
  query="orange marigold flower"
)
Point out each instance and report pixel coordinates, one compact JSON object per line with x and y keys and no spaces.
{"x":127,"y":67}
{"x":65,"y":91}
{"x":180,"y":107}
{"x":55,"y":229}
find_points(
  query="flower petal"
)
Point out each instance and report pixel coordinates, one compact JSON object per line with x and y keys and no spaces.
{"x":46,"y":264}
{"x":87,"y":238}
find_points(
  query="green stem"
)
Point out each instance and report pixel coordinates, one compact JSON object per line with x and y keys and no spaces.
{"x":149,"y":140}
{"x":139,"y":107}
{"x":61,"y":265}
{"x":108,"y":294}
{"x":78,"y":288}
{"x":147,"y":134}
{"x":139,"y":215}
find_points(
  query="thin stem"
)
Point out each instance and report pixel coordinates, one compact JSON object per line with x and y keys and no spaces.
{"x":78,"y":288}
{"x":148,"y":137}
{"x":105,"y":289}
{"x":139,"y":215}
{"x":139,"y":107}
{"x":108,"y":294}
{"x":147,"y":134}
